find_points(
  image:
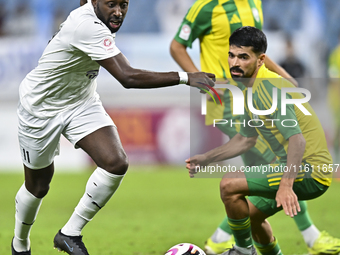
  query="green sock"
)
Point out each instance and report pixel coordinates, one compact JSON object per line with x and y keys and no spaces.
{"x":241,"y":231}
{"x":225,"y":226}
{"x":269,"y":249}
{"x":302,"y":219}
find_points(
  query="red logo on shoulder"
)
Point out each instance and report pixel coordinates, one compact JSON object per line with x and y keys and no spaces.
{"x":107,"y":42}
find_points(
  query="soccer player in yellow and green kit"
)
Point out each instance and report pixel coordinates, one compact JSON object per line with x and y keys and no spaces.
{"x":304,"y":167}
{"x":213,"y":21}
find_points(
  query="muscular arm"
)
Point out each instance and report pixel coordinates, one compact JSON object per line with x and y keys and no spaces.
{"x":179,"y":53}
{"x":119,"y":67}
{"x":285,"y":195}
{"x":235,"y":147}
{"x":272,"y":66}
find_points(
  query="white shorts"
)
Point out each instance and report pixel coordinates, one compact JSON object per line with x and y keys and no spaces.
{"x":39,"y":139}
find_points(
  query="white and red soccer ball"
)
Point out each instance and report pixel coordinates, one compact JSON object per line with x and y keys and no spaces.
{"x":185,"y":249}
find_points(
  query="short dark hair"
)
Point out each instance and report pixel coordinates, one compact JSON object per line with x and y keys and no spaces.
{"x":249,"y":37}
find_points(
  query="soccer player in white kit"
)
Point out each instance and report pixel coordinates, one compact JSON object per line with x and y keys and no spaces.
{"x":59,"y":97}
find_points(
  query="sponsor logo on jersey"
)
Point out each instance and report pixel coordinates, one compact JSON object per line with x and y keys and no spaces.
{"x":185,"y":32}
{"x":107,"y":42}
{"x":235,"y":19}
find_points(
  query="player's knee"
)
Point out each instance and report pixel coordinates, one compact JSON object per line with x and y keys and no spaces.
{"x":38,"y":190}
{"x":227,"y":188}
{"x":118,"y":164}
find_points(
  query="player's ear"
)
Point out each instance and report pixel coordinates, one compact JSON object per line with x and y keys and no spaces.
{"x":261,"y":58}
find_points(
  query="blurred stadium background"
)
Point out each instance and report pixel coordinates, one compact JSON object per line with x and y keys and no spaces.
{"x":153,"y":124}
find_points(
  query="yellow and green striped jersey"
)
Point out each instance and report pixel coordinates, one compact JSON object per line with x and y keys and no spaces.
{"x":213,"y":21}
{"x":276,"y":128}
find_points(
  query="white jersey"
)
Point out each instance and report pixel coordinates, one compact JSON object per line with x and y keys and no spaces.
{"x":66,"y":74}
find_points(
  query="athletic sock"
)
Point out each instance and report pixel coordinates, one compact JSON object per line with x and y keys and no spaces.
{"x":302,"y":219}
{"x":99,"y":189}
{"x":220,"y":236}
{"x":310,"y":235}
{"x":272,"y":248}
{"x":304,"y":223}
{"x":241,"y":231}
{"x":27,"y":207}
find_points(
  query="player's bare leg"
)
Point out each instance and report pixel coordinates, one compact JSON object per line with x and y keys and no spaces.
{"x":105,"y":148}
{"x":262,"y":232}
{"x":261,"y":229}
{"x":28,"y":201}
{"x":234,"y":189}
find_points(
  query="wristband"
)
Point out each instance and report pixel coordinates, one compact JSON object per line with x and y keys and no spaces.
{"x":183,"y":77}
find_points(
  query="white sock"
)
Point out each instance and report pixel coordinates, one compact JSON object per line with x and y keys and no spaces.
{"x":245,"y":251}
{"x":220,"y":236}
{"x":99,"y":189}
{"x":27,"y":207}
{"x":310,"y":235}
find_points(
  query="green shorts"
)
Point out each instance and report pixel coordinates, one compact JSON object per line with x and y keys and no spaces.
{"x":263,"y":185}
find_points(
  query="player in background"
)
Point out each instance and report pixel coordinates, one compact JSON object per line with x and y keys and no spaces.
{"x":59,"y":98}
{"x":213,"y":22}
{"x":334,"y":94}
{"x":302,"y":147}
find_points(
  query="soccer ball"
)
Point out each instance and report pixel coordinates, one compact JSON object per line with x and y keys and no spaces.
{"x":185,"y":249}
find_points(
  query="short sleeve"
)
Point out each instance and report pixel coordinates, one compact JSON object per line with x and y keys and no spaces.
{"x":197,"y":22}
{"x":95,"y":40}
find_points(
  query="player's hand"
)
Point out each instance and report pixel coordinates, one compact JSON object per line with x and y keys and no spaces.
{"x":201,"y":80}
{"x":286,"y":198}
{"x":195,"y":162}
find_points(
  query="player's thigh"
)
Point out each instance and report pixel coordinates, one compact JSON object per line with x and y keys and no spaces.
{"x":264,"y":181}
{"x":38,"y":139}
{"x":92,"y":129}
{"x":233,"y":183}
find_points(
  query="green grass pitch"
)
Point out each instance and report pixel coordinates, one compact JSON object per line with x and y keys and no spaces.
{"x":154,"y":209}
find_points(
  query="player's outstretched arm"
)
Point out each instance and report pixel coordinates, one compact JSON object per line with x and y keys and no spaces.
{"x":119,"y":67}
{"x":285,"y":195}
{"x":179,"y":53}
{"x":235,"y":147}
